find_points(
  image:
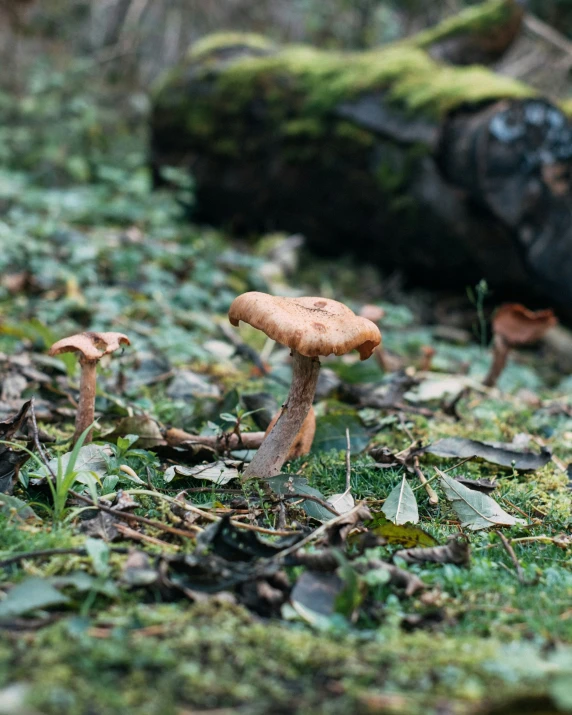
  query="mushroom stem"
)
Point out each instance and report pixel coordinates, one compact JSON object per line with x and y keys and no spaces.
{"x":86,"y":406}
{"x":501,"y":350}
{"x":272,"y":454}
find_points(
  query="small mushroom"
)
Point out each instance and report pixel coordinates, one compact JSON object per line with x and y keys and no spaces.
{"x":91,"y":347}
{"x":426,"y":359}
{"x":515,"y":326}
{"x":310,"y":327}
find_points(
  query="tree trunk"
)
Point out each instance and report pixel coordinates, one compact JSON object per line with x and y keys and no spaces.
{"x":448,"y":174}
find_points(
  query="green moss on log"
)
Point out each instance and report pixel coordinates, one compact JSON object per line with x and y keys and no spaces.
{"x":224,"y":41}
{"x":323,"y":79}
{"x":313,"y":82}
{"x":471,"y":20}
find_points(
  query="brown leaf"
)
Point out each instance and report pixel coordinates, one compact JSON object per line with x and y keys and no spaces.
{"x":338,"y":532}
{"x":455,"y":551}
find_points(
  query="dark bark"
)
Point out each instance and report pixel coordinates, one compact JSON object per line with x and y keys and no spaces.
{"x":468,"y":182}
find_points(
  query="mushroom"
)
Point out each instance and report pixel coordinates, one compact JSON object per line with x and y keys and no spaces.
{"x":514,"y":326}
{"x":91,"y":348}
{"x":310,"y":327}
{"x":302,"y":443}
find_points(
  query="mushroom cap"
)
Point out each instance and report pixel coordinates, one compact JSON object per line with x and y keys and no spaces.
{"x":311,"y":326}
{"x":91,"y":346}
{"x":520,"y":326}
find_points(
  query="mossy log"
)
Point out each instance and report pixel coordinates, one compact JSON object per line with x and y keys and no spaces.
{"x":448,"y":174}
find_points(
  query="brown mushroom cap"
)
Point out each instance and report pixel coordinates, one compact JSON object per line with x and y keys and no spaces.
{"x":520,"y":326}
{"x":311,"y":326}
{"x":91,"y":346}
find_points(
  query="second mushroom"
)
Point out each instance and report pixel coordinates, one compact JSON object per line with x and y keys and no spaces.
{"x":91,"y":347}
{"x":310,"y":327}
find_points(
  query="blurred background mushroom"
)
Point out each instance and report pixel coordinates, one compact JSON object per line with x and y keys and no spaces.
{"x":515,"y":326}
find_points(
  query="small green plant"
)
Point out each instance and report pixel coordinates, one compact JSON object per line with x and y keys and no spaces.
{"x":477,"y":298}
{"x":64,"y":477}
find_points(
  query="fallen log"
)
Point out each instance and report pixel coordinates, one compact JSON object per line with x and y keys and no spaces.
{"x":448,"y":174}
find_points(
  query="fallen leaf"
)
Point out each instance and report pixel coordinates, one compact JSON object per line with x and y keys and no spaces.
{"x":10,"y":504}
{"x":342,"y":502}
{"x":441,"y":388}
{"x":314,"y":596}
{"x":455,"y":551}
{"x":338,"y":532}
{"x":494,"y":452}
{"x":331,"y":433}
{"x":220,"y":472}
{"x":30,"y":595}
{"x":288,"y":484}
{"x":11,"y":460}
{"x":317,"y":595}
{"x":398,"y":577}
{"x":401,"y":506}
{"x":475,"y":510}
{"x":406,"y":535}
{"x":232,"y":544}
{"x":91,"y":458}
{"x":143,"y":426}
{"x":479,"y":485}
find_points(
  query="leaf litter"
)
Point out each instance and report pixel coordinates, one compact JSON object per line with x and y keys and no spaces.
{"x":282,"y":547}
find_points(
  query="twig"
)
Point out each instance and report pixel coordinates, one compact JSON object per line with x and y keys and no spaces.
{"x":431,"y":493}
{"x":510,"y":551}
{"x":348,"y":458}
{"x":542,"y":538}
{"x":405,"y":428}
{"x":140,"y":519}
{"x":139,"y":536}
{"x":43,"y":553}
{"x":516,"y":508}
{"x":207,"y":515}
{"x":309,"y":497}
{"x":459,"y":464}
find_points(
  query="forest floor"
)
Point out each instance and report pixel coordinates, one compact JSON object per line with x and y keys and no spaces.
{"x":196,"y":613}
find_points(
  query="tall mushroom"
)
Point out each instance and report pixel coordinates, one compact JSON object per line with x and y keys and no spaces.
{"x":310,"y":327}
{"x":91,"y":347}
{"x":515,"y":326}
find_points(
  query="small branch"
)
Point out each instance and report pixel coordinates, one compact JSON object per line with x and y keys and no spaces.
{"x":431,"y":493}
{"x":138,"y":536}
{"x":348,"y":462}
{"x":205,"y":514}
{"x":309,"y":497}
{"x":510,"y":551}
{"x":140,"y":519}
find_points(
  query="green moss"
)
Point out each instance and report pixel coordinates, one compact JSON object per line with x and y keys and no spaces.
{"x":218,"y":657}
{"x":476,"y":19}
{"x":306,"y":127}
{"x":320,"y":80}
{"x":229,"y":40}
{"x":347,"y":130}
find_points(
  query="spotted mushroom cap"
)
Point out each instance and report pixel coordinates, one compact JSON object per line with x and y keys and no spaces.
{"x":520,"y":326}
{"x":91,"y":346}
{"x":311,"y":326}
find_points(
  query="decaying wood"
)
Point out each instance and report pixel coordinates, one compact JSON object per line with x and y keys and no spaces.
{"x":447,"y":174}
